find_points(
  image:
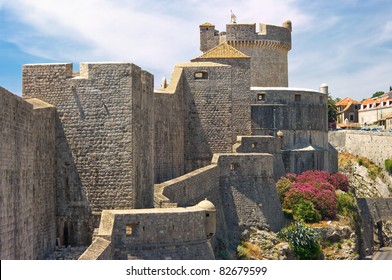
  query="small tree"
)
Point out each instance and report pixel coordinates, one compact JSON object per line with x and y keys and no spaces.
{"x":332,"y":109}
{"x":377,"y":94}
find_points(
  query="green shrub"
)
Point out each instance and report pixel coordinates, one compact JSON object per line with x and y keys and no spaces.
{"x":388,"y":165}
{"x":304,"y":211}
{"x":302,"y":240}
{"x":283,"y":185}
{"x":242,"y":251}
{"x":347,"y":206}
{"x":346,"y":203}
{"x":360,"y":161}
{"x":288,"y":214}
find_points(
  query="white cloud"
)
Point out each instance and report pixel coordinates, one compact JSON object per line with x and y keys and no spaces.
{"x":152,"y":34}
{"x":328,"y":44}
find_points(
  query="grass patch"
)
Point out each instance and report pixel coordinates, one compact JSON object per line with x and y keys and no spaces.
{"x":248,"y":251}
{"x":346,"y":160}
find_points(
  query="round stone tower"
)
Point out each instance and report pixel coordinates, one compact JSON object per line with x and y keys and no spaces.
{"x":268,"y":49}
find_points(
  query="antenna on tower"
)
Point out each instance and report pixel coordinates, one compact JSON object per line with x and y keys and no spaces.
{"x":233,"y":18}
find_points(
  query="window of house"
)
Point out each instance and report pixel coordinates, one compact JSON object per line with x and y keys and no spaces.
{"x":297,"y":97}
{"x":201,"y":75}
{"x":351,"y":117}
{"x":356,"y":107}
{"x":261,"y":97}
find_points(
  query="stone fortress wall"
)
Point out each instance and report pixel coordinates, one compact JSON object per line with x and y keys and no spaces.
{"x":300,"y":116}
{"x":169,"y":129}
{"x":207,"y":134}
{"x":155,"y":234}
{"x":372,"y":211}
{"x":364,"y":144}
{"x":27,"y":183}
{"x":241,"y":185}
{"x":104,"y":152}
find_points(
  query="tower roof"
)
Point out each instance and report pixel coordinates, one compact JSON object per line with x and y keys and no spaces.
{"x":207,"y":24}
{"x":223,"y":50}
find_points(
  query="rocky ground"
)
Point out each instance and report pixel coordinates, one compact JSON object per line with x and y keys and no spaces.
{"x":337,"y":239}
{"x":366,"y":179}
{"x":66,"y":253}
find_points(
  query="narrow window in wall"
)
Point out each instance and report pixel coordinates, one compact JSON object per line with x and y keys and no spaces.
{"x":128,"y":230}
{"x":297,"y":97}
{"x":261,"y":97}
{"x":233,"y":166}
{"x":131,"y":229}
{"x":201,"y":75}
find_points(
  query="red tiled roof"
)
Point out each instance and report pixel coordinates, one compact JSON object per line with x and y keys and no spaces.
{"x":346,"y":101}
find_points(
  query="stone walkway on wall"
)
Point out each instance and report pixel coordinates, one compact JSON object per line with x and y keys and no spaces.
{"x":384,"y":253}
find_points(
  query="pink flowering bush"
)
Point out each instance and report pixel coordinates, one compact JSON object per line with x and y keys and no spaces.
{"x":341,"y":181}
{"x":315,"y":186}
{"x":324,"y":200}
{"x":338,"y":180}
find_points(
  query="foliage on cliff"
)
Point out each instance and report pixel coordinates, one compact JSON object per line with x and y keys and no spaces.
{"x":388,"y":165}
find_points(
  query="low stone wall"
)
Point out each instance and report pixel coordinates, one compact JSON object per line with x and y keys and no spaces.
{"x":100,"y":249}
{"x":376,"y":146}
{"x":191,"y":187}
{"x":372,"y":211}
{"x":155,"y":234}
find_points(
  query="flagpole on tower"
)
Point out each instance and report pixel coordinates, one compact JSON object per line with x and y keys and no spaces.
{"x":233,"y":18}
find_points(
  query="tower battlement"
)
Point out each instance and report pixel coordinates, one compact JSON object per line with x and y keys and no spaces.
{"x":88,"y":70}
{"x":268,"y":48}
{"x":245,"y":33}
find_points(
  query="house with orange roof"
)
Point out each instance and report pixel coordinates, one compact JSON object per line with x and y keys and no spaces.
{"x":375,"y":110}
{"x":347,"y":111}
{"x":386,"y":121}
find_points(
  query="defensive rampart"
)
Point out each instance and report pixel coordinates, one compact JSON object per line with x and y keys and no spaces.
{"x":104,"y":139}
{"x":169,"y":129}
{"x":27,"y":178}
{"x":241,"y":185}
{"x":373,"y":211}
{"x":376,"y":146}
{"x":156,"y":234}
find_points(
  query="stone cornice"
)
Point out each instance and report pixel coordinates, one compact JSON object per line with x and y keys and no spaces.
{"x":261,"y":43}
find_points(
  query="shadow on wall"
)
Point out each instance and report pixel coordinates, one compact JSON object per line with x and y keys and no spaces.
{"x":74,"y":226}
{"x":198,"y":151}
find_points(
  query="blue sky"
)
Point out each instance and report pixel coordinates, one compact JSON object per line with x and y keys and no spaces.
{"x":345,"y":43}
